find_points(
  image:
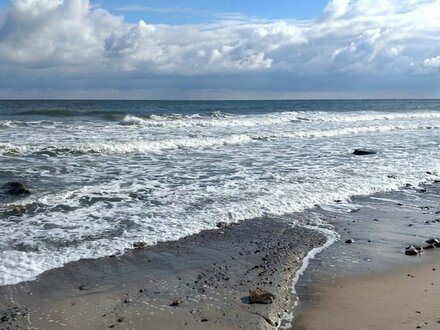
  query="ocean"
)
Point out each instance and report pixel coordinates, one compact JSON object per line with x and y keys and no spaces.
{"x":105,"y":174}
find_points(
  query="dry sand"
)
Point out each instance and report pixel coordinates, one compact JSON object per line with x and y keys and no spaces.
{"x":407,"y":298}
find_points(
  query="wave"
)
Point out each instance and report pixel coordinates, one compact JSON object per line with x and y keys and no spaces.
{"x":226,"y":120}
{"x":200,"y":142}
{"x":17,"y":123}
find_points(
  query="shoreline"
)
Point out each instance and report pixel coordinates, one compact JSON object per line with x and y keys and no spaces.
{"x":371,"y":283}
{"x":199,"y":282}
{"x":203,"y":281}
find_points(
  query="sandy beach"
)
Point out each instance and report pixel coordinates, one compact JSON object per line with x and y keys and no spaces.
{"x":406,"y":298}
{"x":203,"y":281}
{"x":371,"y":283}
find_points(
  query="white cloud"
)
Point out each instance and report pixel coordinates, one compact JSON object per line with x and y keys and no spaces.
{"x":433,"y":62}
{"x":69,"y":44}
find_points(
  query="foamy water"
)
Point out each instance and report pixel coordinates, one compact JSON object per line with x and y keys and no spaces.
{"x":104,"y":175}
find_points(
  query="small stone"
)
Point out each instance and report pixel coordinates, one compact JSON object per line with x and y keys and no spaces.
{"x":413,"y":250}
{"x":363,"y":152}
{"x":139,"y":245}
{"x":432,"y":241}
{"x":128,"y":300}
{"x":221,"y":224}
{"x":204,"y":320}
{"x":260,"y":296}
{"x":349,"y":241}
{"x":175,"y":303}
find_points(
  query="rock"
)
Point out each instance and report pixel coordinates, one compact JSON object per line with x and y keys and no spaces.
{"x":349,"y":241}
{"x":221,"y":224}
{"x":127,"y":300}
{"x":260,"y":296}
{"x":432,"y":241}
{"x":15,"y":189}
{"x":139,"y":245}
{"x":413,"y":250}
{"x":204,"y":320}
{"x":175,"y":303}
{"x":362,"y":152}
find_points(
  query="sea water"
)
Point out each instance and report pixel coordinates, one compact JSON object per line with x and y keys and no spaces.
{"x":104,"y":174}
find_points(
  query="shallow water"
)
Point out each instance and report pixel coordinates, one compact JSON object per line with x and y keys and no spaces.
{"x":104,"y":174}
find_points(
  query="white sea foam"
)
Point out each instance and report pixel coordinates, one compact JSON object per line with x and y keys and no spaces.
{"x":273,"y":119}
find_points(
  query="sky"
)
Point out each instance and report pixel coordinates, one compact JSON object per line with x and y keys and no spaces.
{"x":229,"y":49}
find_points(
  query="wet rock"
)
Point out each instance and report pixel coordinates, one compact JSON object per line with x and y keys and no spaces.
{"x":362,"y":152}
{"x":139,"y":245}
{"x":260,"y":296}
{"x":15,"y":189}
{"x":349,"y":241}
{"x":221,"y":224}
{"x":413,"y":250}
{"x":432,"y":241}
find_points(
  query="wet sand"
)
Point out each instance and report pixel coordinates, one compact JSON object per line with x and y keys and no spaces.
{"x":206,"y":277}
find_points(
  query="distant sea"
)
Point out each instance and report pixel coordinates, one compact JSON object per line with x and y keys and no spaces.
{"x":104,"y":174}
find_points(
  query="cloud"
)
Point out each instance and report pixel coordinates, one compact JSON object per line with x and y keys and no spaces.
{"x":433,"y":62}
{"x":70,"y":46}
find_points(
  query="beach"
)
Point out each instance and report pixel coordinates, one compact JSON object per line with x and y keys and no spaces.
{"x":212,"y":215}
{"x":203,"y":281}
{"x":404,"y":298}
{"x":200,"y":282}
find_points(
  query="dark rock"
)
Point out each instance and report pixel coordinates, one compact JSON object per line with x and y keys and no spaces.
{"x":432,"y":241}
{"x":260,"y":296}
{"x":413,"y":250}
{"x":175,"y":303}
{"x":127,"y":300}
{"x":362,"y":152}
{"x":221,"y":224}
{"x":15,"y":189}
{"x":399,"y":204}
{"x":349,"y":241}
{"x":139,"y":245}
{"x":204,"y":320}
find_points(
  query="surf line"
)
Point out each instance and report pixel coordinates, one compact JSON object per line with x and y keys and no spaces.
{"x":285,"y":321}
